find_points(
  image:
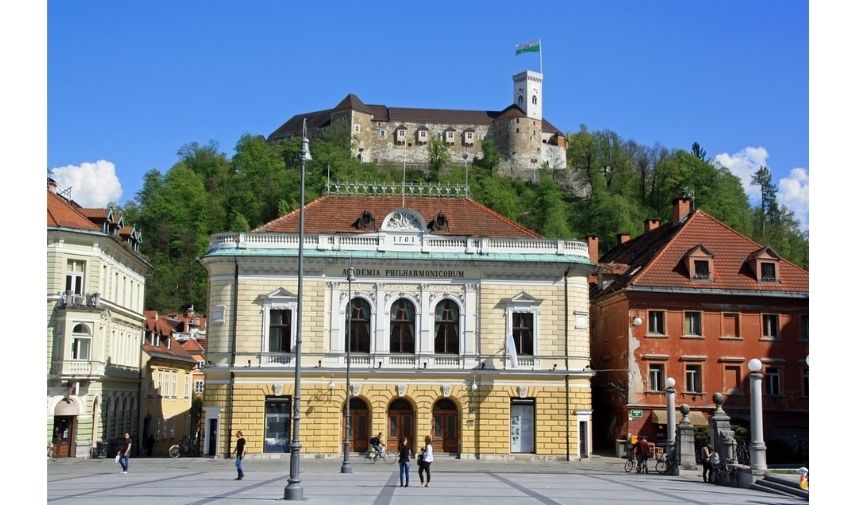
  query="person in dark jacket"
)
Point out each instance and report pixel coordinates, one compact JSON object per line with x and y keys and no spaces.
{"x":405,"y":453}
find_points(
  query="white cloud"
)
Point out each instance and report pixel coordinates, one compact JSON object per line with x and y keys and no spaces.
{"x":744,"y":164}
{"x":91,"y":184}
{"x":793,"y":192}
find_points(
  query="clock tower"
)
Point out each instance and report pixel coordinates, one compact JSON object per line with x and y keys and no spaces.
{"x":528,"y":93}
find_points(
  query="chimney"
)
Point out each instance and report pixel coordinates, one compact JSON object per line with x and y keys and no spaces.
{"x":680,"y":209}
{"x":622,"y":237}
{"x":593,"y":242}
{"x":52,"y":185}
{"x":651,"y":223}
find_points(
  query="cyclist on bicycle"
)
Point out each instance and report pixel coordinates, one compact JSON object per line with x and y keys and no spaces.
{"x":376,"y":443}
{"x":643,"y":452}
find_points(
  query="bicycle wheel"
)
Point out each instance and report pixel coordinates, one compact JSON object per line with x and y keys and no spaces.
{"x":174,"y":451}
{"x":661,"y":466}
{"x":389,"y":457}
{"x":628,"y":467}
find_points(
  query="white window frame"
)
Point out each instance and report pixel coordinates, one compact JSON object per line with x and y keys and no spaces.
{"x":656,"y":377}
{"x":698,"y":316}
{"x":75,"y":277}
{"x":82,"y":340}
{"x":693,"y":376}
{"x":662,"y":314}
{"x":422,"y":135}
{"x":772,"y":380}
{"x":280,"y":299}
{"x":199,"y":386}
{"x":764,"y":327}
{"x":382,"y":133}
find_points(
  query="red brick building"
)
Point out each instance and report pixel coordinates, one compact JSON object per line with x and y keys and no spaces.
{"x":695,"y":300}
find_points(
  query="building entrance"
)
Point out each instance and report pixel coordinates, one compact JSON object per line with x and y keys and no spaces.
{"x":359,"y":424}
{"x":401,"y":423}
{"x":446,"y":427}
{"x":64,"y":433}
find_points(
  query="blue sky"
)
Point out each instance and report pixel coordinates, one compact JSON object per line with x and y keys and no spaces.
{"x":129,"y":83}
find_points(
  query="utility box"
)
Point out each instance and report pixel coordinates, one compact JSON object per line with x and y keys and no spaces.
{"x":621,"y":448}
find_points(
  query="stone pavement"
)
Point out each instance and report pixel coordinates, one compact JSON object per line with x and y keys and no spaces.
{"x":203,"y":481}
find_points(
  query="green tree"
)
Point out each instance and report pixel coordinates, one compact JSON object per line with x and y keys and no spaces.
{"x":439,"y":157}
{"x":552,"y":209}
{"x":491,"y":154}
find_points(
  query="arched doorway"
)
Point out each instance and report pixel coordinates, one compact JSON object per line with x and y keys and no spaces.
{"x":65,"y":414}
{"x":401,"y":423}
{"x":446,"y":426}
{"x":359,"y":425}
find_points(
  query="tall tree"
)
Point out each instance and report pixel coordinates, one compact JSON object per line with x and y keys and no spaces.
{"x":769,"y":208}
{"x":439,"y":157}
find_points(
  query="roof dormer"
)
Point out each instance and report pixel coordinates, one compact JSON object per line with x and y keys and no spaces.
{"x":764,"y":264}
{"x":700,"y":264}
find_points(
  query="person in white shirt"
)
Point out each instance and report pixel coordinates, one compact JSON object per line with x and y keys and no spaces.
{"x":424,"y":460}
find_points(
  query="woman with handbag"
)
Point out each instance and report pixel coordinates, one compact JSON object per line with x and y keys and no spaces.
{"x":424,"y":460}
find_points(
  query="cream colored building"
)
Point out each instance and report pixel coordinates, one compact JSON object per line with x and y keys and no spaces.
{"x":94,"y":312}
{"x":439,"y":285}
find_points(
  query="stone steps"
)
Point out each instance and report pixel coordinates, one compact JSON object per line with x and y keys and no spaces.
{"x":780,"y":485}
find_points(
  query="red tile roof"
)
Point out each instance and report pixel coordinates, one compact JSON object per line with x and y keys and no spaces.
{"x":338,"y":214}
{"x":654,"y":259}
{"x":62,"y":214}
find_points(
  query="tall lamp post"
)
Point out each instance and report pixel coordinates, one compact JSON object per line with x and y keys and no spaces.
{"x":758,"y":459}
{"x":670,"y":415}
{"x":350,"y":276}
{"x":294,"y":490}
{"x":466,"y":166}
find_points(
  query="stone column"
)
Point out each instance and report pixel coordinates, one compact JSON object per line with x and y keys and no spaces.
{"x":721,"y":430}
{"x":685,"y":445}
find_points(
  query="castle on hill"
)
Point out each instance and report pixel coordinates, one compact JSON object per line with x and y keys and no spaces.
{"x":401,"y":135}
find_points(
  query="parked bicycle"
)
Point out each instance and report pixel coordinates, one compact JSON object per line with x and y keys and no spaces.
{"x":52,"y":454}
{"x":666,"y":463}
{"x":183,"y":448}
{"x":371,"y":457}
{"x":727,"y":475}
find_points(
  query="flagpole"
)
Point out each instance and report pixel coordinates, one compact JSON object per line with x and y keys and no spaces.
{"x":540,"y":54}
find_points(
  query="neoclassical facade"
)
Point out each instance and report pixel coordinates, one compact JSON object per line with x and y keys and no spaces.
{"x":95,"y":279}
{"x":458,"y":323}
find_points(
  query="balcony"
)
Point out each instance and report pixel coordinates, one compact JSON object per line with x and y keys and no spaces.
{"x":70,"y":300}
{"x":79,"y":369}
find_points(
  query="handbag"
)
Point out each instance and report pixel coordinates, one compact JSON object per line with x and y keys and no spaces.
{"x":116,"y":459}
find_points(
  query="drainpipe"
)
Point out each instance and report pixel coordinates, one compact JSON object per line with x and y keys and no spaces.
{"x":232,"y":359}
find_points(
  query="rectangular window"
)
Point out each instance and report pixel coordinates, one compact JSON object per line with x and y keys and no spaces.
{"x":694,"y":379}
{"x":656,"y":322}
{"x":81,"y":348}
{"x":771,"y":381}
{"x":75,"y":277}
{"x":703,"y":269}
{"x":523,"y":328}
{"x":382,"y":134}
{"x":198,"y":386}
{"x":357,"y":128}
{"x":768,"y":272}
{"x":469,"y":136}
{"x":401,"y":134}
{"x":731,"y":325}
{"x":277,"y":428}
{"x":422,"y":135}
{"x":693,"y":323}
{"x":279,"y":330}
{"x":804,"y":328}
{"x":187,"y":385}
{"x":655,"y":377}
{"x":770,"y":326}
{"x":732,"y":380}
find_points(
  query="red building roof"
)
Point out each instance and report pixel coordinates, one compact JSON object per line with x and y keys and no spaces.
{"x":339,"y":214}
{"x":62,"y":214}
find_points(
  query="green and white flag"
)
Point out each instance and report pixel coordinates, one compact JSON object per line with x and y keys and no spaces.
{"x":529,"y":47}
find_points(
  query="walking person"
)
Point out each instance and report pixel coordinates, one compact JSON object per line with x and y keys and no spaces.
{"x":424,"y":460}
{"x":124,"y":451}
{"x":643,"y":452}
{"x":240,"y":454}
{"x":405,"y":453}
{"x":707,"y":471}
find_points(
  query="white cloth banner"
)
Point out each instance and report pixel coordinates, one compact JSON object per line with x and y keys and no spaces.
{"x":512,"y":350}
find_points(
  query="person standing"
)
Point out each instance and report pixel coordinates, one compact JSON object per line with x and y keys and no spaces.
{"x":124,"y":451}
{"x":240,"y":454}
{"x":424,"y":460}
{"x":707,"y":471}
{"x":405,"y":453}
{"x":643,"y":452}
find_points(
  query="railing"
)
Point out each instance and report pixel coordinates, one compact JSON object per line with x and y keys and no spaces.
{"x":69,"y":299}
{"x":427,"y":243}
{"x":80,"y":368}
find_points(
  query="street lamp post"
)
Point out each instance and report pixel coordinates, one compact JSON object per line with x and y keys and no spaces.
{"x":294,"y":491}
{"x":466,"y":166}
{"x":350,"y":276}
{"x":758,"y":461}
{"x":670,"y":414}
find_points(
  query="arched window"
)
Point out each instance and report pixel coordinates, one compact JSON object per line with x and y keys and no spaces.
{"x":403,"y":326}
{"x":447,"y":328}
{"x":81,"y":340}
{"x":358,"y":326}
{"x":534,"y":99}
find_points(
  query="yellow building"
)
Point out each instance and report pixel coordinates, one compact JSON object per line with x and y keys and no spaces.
{"x":96,"y":280}
{"x":462,"y":325}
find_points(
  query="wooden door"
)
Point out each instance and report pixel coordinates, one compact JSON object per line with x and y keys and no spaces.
{"x":401,"y":423}
{"x":359,"y":425}
{"x":64,"y":433}
{"x":446,"y":427}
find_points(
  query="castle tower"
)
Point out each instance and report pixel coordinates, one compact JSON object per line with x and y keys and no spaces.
{"x":528,"y":93}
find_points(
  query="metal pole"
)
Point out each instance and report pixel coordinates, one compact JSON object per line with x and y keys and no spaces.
{"x":758,"y":449}
{"x":294,"y":490}
{"x":350,"y":276}
{"x":670,"y":414}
